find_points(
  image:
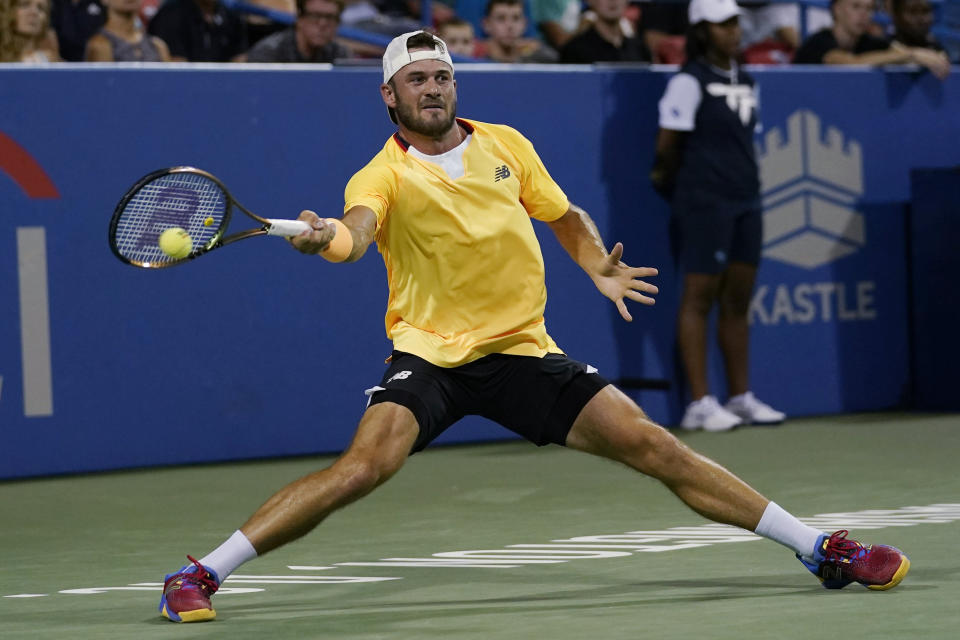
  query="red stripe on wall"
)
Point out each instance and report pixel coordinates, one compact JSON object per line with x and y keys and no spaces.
{"x":21,"y":166}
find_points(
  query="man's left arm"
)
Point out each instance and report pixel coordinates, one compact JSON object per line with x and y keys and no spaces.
{"x":579,"y":236}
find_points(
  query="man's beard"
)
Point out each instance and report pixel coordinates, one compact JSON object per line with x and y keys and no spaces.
{"x":429,"y":127}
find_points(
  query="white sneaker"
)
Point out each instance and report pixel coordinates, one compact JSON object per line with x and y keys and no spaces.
{"x":752,"y":411}
{"x":707,"y":414}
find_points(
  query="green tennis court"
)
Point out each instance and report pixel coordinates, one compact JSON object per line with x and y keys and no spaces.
{"x":503,"y":541}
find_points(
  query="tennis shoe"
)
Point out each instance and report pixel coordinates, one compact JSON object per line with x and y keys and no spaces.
{"x":839,"y":561}
{"x":752,"y":411}
{"x":186,"y":593}
{"x":707,"y":414}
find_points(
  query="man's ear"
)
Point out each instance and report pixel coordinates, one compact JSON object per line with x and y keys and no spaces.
{"x":389,"y":99}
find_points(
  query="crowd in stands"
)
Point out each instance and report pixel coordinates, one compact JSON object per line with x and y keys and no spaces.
{"x":869,"y":32}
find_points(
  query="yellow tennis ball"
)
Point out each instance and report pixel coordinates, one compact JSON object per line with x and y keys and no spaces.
{"x":208,"y":221}
{"x":176,"y":243}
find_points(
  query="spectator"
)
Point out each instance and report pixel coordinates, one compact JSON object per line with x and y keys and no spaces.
{"x":912,"y":20}
{"x":75,"y":21}
{"x":706,"y":165}
{"x":391,"y":19}
{"x":663,"y":27}
{"x":123,"y":38}
{"x":848,"y":42}
{"x":310,"y":39}
{"x":604,"y":40}
{"x":556,"y":20}
{"x":766,"y":21}
{"x":259,"y":27}
{"x":459,"y":37}
{"x":25,"y":34}
{"x":505,"y":23}
{"x":200,"y":31}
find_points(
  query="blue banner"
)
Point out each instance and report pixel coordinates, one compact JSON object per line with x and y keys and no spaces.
{"x":259,"y":351}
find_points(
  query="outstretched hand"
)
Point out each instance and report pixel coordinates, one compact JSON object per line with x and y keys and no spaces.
{"x":617,"y":281}
{"x":315,"y":241}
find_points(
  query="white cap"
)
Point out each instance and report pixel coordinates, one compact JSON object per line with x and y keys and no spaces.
{"x":715,"y":11}
{"x":397,"y":57}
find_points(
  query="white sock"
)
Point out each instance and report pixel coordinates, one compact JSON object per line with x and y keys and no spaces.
{"x":779,"y":526}
{"x":225,"y":559}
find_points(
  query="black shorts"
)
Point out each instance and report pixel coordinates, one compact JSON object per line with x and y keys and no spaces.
{"x":537,"y":398}
{"x":710,"y":233}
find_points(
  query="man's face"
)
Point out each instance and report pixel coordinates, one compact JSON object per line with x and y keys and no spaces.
{"x":726,"y":36}
{"x":459,"y":39}
{"x":914,"y":19}
{"x":853,"y":15}
{"x":318,"y":22}
{"x":424,"y":96}
{"x":505,"y":24}
{"x":609,"y":10}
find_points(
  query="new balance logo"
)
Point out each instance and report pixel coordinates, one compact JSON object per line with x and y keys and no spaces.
{"x":501,"y":173}
{"x":401,"y":375}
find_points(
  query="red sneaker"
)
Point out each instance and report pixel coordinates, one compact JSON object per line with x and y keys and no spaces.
{"x":838,"y":562}
{"x":186,"y":593}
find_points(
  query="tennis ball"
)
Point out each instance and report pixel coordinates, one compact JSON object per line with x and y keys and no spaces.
{"x":208,"y":221}
{"x":175,"y":242}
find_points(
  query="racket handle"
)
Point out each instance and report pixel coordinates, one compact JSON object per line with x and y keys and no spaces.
{"x":286,"y":228}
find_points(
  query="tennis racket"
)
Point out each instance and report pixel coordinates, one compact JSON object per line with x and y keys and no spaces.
{"x":184,"y":197}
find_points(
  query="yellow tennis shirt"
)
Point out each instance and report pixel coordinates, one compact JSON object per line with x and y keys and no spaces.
{"x":464,"y":266}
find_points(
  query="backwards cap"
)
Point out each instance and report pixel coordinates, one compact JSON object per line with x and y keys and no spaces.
{"x":397,"y":57}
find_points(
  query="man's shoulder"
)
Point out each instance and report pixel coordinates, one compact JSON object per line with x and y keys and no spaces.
{"x":813,"y":48}
{"x":502,"y":132}
{"x":388,"y":160}
{"x":272,"y":48}
{"x":868,"y":42}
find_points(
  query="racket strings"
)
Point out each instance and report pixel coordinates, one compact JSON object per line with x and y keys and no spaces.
{"x":191,"y":201}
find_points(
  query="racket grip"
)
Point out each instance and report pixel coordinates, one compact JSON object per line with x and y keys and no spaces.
{"x":286,"y":228}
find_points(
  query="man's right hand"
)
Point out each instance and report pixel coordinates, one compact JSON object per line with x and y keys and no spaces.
{"x":936,"y":62}
{"x":315,"y":241}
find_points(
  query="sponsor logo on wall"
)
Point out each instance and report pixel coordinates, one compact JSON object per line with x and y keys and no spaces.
{"x":811,"y":184}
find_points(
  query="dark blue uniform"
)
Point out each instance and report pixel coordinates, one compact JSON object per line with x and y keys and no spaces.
{"x":716,"y":204}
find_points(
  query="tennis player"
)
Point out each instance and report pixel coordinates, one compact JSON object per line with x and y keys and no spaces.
{"x":449,"y":202}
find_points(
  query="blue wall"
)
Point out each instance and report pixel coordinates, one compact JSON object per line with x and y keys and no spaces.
{"x":259,"y":351}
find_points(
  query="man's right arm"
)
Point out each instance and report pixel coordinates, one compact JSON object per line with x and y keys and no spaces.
{"x":360,"y":222}
{"x":896,"y":54}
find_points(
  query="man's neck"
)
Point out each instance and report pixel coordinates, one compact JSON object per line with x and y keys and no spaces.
{"x":501,"y":52}
{"x":303,"y":47}
{"x":845,"y":39}
{"x":610,"y":31}
{"x":434,"y":146}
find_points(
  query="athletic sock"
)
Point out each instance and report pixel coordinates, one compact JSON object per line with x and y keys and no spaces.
{"x":779,"y":526}
{"x":225,"y":559}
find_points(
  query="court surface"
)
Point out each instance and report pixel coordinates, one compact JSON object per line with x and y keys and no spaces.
{"x":619,"y":556}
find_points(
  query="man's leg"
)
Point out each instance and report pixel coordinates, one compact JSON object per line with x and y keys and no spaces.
{"x":699,"y":294}
{"x":613,"y":426}
{"x":733,"y":332}
{"x":733,"y":329}
{"x":700,"y":291}
{"x":381,"y":445}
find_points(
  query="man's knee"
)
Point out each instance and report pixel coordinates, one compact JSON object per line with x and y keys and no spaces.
{"x":655,"y":451}
{"x":359,"y":475}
